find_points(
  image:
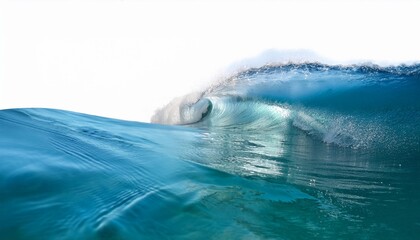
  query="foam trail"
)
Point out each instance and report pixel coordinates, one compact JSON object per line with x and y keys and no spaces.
{"x":181,"y":110}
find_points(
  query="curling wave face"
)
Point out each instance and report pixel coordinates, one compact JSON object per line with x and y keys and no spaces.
{"x":351,"y":106}
{"x":296,"y":151}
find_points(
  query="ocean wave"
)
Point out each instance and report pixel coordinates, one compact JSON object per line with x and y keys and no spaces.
{"x":291,"y":151}
{"x":355,"y":105}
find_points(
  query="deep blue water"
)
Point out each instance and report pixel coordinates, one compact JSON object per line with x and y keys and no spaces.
{"x":295,"y":151}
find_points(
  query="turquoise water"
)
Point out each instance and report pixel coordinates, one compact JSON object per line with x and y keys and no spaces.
{"x":296,"y":151}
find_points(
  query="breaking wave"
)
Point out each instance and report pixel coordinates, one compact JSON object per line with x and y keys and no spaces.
{"x":292,"y":151}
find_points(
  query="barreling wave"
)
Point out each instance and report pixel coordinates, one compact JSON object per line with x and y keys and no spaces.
{"x":293,"y":151}
{"x":356,"y":105}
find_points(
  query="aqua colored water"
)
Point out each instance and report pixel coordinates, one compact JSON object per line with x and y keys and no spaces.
{"x":296,"y":151}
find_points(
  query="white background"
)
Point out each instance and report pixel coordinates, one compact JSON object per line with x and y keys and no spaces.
{"x":124,"y":59}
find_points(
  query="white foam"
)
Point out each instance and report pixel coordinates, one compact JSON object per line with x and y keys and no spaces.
{"x":180,"y":111}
